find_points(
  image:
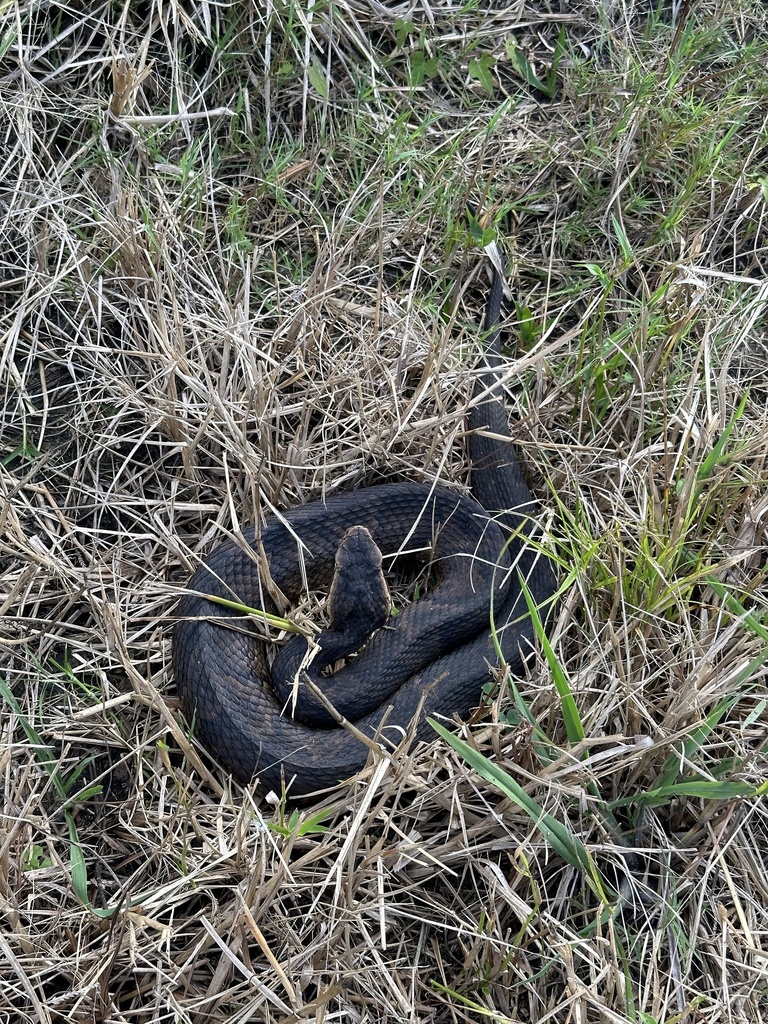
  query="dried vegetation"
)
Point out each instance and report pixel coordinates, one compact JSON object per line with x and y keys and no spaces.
{"x":236,"y":275}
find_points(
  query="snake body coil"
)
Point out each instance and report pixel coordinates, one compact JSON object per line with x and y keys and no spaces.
{"x":221,"y":671}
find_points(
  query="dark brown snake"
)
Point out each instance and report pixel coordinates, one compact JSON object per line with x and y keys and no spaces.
{"x":220,"y":664}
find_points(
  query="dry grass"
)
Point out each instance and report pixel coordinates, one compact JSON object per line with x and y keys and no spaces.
{"x":236,"y":276}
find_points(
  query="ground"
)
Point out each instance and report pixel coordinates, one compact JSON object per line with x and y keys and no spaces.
{"x":237,"y":275}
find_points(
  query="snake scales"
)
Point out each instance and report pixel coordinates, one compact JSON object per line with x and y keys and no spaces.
{"x":221,"y":671}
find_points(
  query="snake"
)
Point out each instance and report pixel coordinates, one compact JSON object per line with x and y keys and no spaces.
{"x":431,"y":659}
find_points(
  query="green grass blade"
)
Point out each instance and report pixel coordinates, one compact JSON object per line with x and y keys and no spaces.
{"x":43,"y":752}
{"x":556,"y":834}
{"x":573,"y":725}
{"x":272,"y":620}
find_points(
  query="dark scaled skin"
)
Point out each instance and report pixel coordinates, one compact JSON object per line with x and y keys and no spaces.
{"x":221,"y":671}
{"x":358,"y":604}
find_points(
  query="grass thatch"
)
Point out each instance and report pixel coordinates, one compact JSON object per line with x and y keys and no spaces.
{"x":236,"y":275}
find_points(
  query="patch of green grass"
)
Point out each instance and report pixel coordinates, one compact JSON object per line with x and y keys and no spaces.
{"x":70,"y":794}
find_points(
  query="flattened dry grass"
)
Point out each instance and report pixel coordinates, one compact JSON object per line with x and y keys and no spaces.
{"x":237,"y":276}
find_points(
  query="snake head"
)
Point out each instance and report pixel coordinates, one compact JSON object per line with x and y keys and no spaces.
{"x":358,"y":600}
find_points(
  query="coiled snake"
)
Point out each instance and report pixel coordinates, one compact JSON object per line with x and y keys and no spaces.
{"x":442,"y":643}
